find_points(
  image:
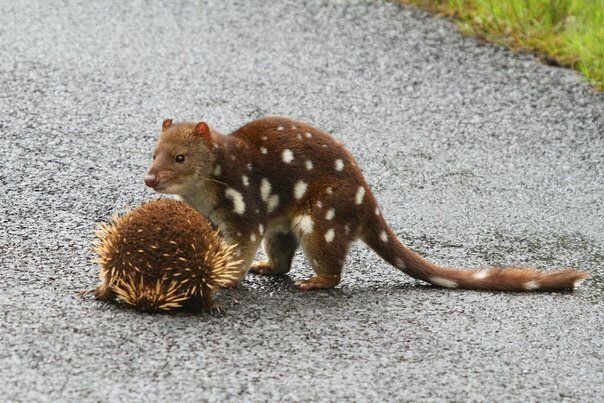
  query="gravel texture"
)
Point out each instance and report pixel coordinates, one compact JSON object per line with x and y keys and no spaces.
{"x":478,"y":157}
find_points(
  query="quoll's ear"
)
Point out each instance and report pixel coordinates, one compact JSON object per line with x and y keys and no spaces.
{"x":167,"y":123}
{"x":203,"y":130}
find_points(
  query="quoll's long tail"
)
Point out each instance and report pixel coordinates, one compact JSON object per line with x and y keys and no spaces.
{"x":380,"y":237}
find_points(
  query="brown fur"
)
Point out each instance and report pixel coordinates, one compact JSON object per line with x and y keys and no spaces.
{"x":250,"y":185}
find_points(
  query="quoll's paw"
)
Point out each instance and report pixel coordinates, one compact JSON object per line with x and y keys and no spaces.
{"x":262,"y":268}
{"x":318,"y":282}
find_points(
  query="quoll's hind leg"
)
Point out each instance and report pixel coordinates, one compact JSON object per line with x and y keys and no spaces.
{"x":325,"y":249}
{"x":279,"y":248}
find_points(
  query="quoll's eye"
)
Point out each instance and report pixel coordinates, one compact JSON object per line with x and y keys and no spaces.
{"x":179,"y":158}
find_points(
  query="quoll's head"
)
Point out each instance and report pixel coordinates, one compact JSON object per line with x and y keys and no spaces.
{"x":182,"y":157}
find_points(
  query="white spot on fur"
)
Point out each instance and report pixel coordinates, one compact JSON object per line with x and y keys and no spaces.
{"x":237,"y":198}
{"x":264,"y":138}
{"x":339,"y":165}
{"x":578,"y":282}
{"x":272,"y":203}
{"x":308,"y":135}
{"x":299,"y":137}
{"x":303,"y":223}
{"x":260,"y":229}
{"x":443,"y":282}
{"x":299,"y":189}
{"x":288,"y":156}
{"x":280,"y":128}
{"x":294,"y":127}
{"x":324,"y":145}
{"x":319,"y":204}
{"x":329,"y":190}
{"x":330,"y":214}
{"x":330,"y":235}
{"x":217,"y":170}
{"x":249,"y":167}
{"x":245,"y":180}
{"x":253,"y":237}
{"x":400,"y":264}
{"x":531,"y":285}
{"x":360,"y":194}
{"x":347,"y":228}
{"x":308,"y":164}
{"x":265,"y":189}
{"x":263,"y":150}
{"x":377,"y":211}
{"x":384,"y":236}
{"x":480,"y":274}
{"x":238,"y":233}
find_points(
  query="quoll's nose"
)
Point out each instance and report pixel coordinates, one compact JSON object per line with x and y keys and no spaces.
{"x":151,"y":181}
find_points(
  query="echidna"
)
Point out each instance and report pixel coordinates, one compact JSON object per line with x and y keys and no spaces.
{"x":161,"y":256}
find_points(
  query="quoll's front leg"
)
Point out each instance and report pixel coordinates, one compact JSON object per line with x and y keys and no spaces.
{"x":279,"y":248}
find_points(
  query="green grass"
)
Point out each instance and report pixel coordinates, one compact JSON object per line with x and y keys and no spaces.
{"x":562,"y":32}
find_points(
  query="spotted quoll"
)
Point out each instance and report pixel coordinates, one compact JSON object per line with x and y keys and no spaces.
{"x":285,"y":183}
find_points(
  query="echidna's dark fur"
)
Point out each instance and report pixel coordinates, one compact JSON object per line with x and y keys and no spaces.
{"x":161,"y":256}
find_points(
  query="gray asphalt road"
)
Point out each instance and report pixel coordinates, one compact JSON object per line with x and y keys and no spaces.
{"x":479,"y":157}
